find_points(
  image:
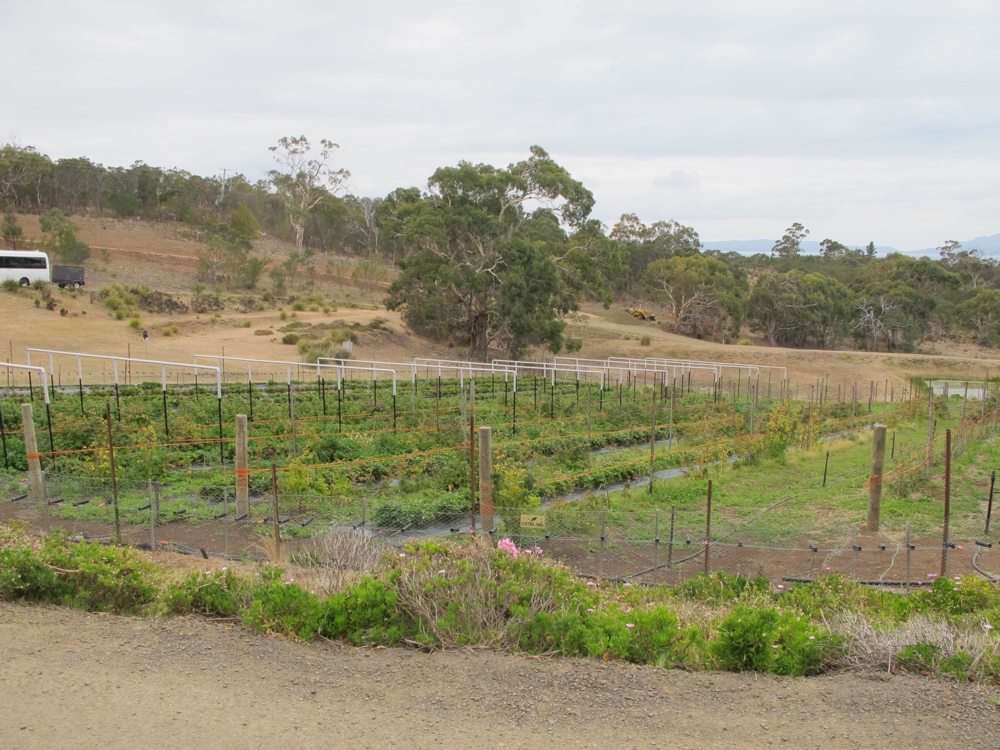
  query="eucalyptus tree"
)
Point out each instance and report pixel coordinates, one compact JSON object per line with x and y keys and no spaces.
{"x":644,"y":244}
{"x":489,"y":264}
{"x":790,"y":243}
{"x":799,"y":309}
{"x":700,"y":293}
{"x":302,"y":180}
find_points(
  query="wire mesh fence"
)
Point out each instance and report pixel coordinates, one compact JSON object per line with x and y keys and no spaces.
{"x":644,"y":546}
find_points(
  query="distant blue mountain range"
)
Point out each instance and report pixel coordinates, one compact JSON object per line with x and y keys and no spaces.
{"x":989,"y":245}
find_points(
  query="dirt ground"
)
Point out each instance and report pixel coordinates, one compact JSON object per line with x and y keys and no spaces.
{"x":75,"y":680}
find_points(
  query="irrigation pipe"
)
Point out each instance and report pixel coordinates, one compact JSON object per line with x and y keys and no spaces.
{"x":894,"y":554}
{"x":975,"y":564}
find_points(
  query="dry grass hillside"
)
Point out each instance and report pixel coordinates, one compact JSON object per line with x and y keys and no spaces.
{"x":164,"y":257}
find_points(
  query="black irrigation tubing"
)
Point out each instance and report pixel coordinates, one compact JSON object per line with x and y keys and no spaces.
{"x":975,"y":564}
{"x":863,"y":582}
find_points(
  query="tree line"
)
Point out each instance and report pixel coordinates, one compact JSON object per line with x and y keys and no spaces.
{"x":493,"y":258}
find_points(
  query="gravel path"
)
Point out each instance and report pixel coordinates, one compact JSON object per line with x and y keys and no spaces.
{"x":75,"y":680}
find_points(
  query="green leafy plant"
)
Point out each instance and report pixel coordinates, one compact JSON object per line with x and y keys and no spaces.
{"x":83,"y":575}
{"x":283,"y":607}
{"x":219,"y":594}
{"x":766,"y":640}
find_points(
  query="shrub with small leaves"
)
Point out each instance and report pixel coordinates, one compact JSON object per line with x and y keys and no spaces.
{"x":215,"y":594}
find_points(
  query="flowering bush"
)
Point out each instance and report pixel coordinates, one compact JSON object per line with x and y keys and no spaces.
{"x":508,"y":546}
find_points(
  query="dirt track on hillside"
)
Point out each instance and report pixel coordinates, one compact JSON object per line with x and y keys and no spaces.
{"x":75,"y":680}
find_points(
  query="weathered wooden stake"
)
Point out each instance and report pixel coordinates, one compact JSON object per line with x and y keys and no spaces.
{"x":242,"y":468}
{"x":114,"y":475}
{"x":875,"y":480}
{"x":36,"y":487}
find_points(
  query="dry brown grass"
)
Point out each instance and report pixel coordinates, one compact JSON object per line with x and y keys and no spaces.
{"x":164,"y":256}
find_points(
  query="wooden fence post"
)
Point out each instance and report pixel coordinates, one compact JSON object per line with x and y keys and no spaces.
{"x":36,"y":487}
{"x":875,"y":480}
{"x":947,"y":502}
{"x":242,"y":470}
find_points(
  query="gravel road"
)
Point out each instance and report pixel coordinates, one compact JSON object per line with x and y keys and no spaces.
{"x":74,"y":680}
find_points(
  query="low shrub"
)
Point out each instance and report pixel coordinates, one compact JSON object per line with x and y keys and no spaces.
{"x":283,"y":607}
{"x":218,"y":594}
{"x":766,"y":640}
{"x":367,"y":612}
{"x":83,"y":575}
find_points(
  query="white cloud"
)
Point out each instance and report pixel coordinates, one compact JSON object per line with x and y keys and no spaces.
{"x":879,"y":118}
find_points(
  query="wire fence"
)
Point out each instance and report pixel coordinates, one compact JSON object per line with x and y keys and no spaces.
{"x":666,"y":545}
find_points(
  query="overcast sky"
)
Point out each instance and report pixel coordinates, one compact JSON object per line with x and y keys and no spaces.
{"x":875,"y":120}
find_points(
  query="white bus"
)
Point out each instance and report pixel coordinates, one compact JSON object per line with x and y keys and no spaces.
{"x":24,"y":266}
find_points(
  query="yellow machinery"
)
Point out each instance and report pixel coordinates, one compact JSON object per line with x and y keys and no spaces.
{"x":641,"y":314}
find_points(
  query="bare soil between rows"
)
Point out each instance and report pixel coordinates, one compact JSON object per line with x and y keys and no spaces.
{"x":70,"y":679}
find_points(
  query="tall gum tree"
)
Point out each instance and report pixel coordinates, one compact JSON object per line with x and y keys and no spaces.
{"x":489,"y":263}
{"x":302,"y":181}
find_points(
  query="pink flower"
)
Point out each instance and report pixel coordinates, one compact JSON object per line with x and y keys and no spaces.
{"x":591,"y":583}
{"x":591,"y":609}
{"x":508,"y":546}
{"x":780,"y":586}
{"x":630,"y":625}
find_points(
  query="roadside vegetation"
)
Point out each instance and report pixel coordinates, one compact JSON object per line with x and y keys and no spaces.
{"x":433,"y":595}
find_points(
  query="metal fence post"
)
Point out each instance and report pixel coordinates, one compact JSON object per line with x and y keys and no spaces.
{"x":670,"y":541}
{"x":947,"y":503}
{"x":854,"y":551}
{"x":277,"y":512}
{"x":909,"y":548}
{"x":708,"y":527}
{"x":156,"y":504}
{"x":486,"y":478}
{"x":152,"y":517}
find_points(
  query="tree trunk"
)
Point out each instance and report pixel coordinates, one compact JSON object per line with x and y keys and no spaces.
{"x":300,"y":231}
{"x":478,"y":338}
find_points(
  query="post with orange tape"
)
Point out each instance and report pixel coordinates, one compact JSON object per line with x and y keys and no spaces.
{"x":242,"y":471}
{"x":36,"y":487}
{"x":875,"y":480}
